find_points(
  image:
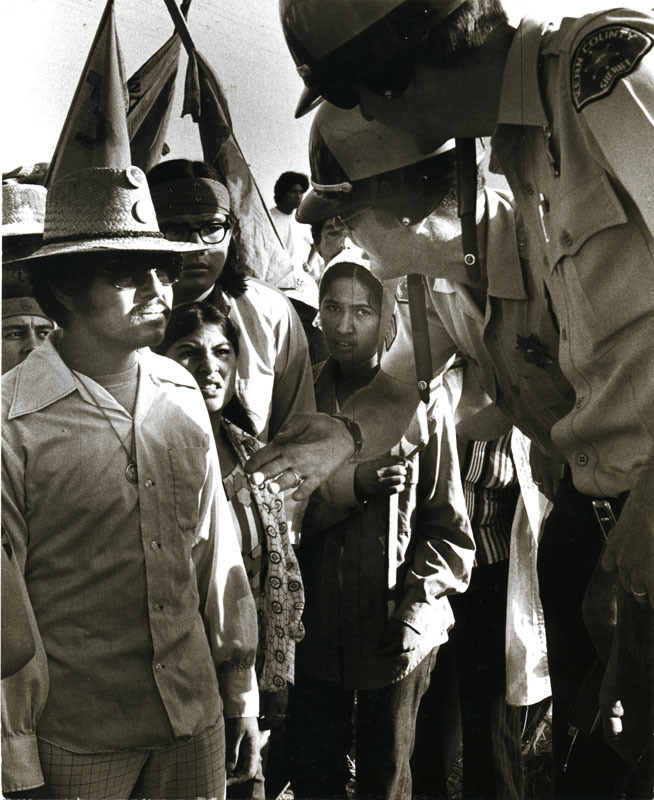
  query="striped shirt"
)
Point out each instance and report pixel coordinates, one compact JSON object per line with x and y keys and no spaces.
{"x":491,"y":489}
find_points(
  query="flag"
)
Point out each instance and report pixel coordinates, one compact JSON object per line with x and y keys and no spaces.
{"x":95,"y":130}
{"x":259,"y":247}
{"x":151,"y":90}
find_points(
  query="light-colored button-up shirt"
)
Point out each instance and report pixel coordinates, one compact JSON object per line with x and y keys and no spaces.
{"x":512,"y":342}
{"x":138,"y":590}
{"x":582,"y":181}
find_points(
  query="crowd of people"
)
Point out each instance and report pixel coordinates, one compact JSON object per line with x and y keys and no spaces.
{"x":328,"y":539}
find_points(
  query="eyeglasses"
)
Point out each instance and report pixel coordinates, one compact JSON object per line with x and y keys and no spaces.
{"x":209,"y":232}
{"x":344,"y":218}
{"x":131,"y":276}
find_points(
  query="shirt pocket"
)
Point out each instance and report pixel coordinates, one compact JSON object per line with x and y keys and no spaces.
{"x":188,"y":466}
{"x":602,"y":262}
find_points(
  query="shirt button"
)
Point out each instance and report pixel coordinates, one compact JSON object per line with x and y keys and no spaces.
{"x":159,"y":607}
{"x":566,"y":239}
{"x":522,"y":241}
{"x":515,"y":388}
{"x":159,"y":667}
{"x":582,"y":459}
{"x":580,"y":402}
{"x":149,"y":484}
{"x":155,"y":545}
{"x":529,"y":188}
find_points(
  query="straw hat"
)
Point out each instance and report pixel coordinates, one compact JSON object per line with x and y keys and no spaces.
{"x":23,"y":209}
{"x":98,"y":209}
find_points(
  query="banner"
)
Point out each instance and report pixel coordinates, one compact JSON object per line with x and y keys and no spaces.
{"x":95,"y":131}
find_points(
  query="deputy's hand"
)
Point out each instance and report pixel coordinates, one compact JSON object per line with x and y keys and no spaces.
{"x":382,"y":477}
{"x":626,"y":692}
{"x":241,"y":748}
{"x":630,"y":546}
{"x":546,"y":472}
{"x":273,"y":708}
{"x":310,"y":448}
{"x":398,"y":638}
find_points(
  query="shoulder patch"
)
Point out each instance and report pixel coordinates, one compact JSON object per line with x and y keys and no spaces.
{"x":602,"y":58}
{"x":391,"y":333}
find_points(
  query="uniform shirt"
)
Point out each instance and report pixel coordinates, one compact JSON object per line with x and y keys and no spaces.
{"x":512,"y":342}
{"x":274,"y":379}
{"x":574,"y":140}
{"x":138,"y":590}
{"x":344,"y":560}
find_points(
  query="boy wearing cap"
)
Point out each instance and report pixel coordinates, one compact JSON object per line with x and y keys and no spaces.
{"x":274,"y":370}
{"x":116,"y":518}
{"x":24,"y":325}
{"x":24,"y":328}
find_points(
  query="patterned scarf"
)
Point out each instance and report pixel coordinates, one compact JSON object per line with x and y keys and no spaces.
{"x":282,"y":602}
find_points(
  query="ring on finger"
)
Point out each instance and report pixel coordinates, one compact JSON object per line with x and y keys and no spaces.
{"x":298,"y":478}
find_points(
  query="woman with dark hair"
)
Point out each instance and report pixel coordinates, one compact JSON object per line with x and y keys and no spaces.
{"x":206,"y":342}
{"x":273,"y":380}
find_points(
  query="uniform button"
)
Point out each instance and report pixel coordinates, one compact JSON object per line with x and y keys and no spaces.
{"x":159,"y":667}
{"x":529,"y":188}
{"x":582,"y":459}
{"x":522,"y":241}
{"x":515,"y":388}
{"x":580,"y":402}
{"x":566,"y":239}
{"x":155,"y":545}
{"x":149,"y":484}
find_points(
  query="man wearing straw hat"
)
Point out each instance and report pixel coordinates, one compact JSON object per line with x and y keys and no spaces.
{"x":112,"y":505}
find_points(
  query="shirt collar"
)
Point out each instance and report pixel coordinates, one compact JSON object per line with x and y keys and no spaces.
{"x":44,"y":378}
{"x":520,"y":100}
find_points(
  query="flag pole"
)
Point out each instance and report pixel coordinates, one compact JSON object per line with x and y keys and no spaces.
{"x":185,"y":35}
{"x":80,"y":83}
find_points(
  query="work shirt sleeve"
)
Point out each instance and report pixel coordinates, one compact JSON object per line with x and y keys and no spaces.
{"x":619,"y":123}
{"x":24,"y":693}
{"x":229,"y":611}
{"x":445,"y":549}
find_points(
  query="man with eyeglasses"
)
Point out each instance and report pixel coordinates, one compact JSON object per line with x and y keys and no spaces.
{"x":274,"y":371}
{"x":113,"y":504}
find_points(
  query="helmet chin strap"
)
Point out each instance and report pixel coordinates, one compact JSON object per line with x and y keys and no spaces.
{"x":466,"y":164}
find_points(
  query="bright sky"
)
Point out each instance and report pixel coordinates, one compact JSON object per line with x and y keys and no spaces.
{"x":45,"y":43}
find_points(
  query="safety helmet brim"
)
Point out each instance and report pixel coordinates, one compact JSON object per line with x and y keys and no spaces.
{"x":309,"y":99}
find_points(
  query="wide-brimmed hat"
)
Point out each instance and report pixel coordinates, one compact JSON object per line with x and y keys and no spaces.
{"x":99,"y":209}
{"x":23,"y":209}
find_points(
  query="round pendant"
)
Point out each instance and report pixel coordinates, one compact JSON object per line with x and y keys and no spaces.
{"x":131,"y":473}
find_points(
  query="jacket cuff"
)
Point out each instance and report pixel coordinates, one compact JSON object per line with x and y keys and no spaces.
{"x":415,"y":613}
{"x":239,"y":691}
{"x":341,"y":487}
{"x":21,"y":765}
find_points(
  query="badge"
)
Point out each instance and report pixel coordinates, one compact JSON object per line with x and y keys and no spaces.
{"x":602,"y":58}
{"x":391,"y":333}
{"x":534,"y":351}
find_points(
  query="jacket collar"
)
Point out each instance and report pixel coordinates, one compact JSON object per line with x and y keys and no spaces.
{"x":520,"y":99}
{"x":44,"y":378}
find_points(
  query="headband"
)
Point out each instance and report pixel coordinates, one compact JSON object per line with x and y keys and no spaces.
{"x":190,"y":196}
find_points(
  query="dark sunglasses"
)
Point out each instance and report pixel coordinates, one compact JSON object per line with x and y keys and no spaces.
{"x":123,"y":275}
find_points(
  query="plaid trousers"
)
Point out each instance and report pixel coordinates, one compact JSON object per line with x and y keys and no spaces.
{"x":184,"y":770}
